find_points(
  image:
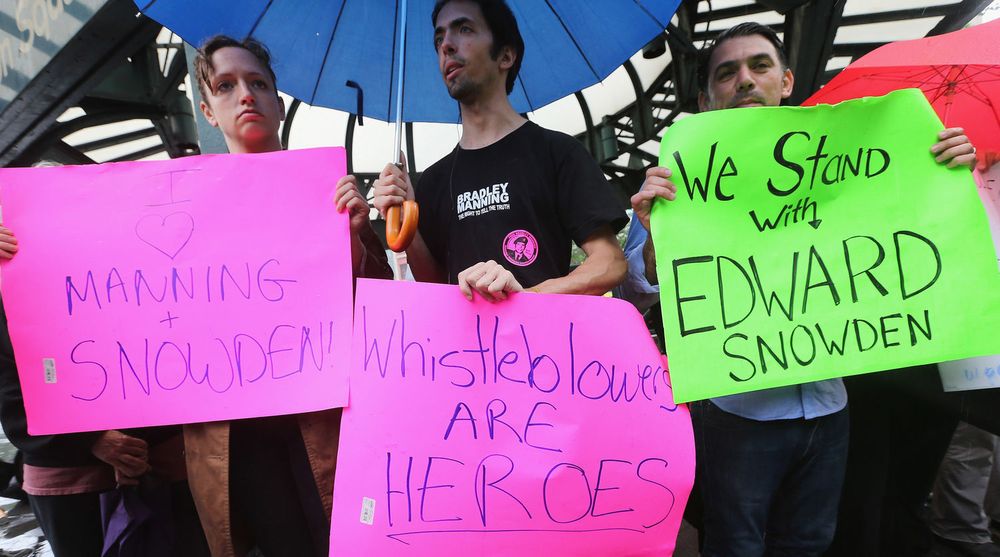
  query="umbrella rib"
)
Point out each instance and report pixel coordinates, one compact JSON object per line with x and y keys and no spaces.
{"x":892,"y":79}
{"x":963,"y":88}
{"x":650,"y":14}
{"x":880,"y":72}
{"x":972,"y":90}
{"x":525,"y":91}
{"x":939,"y":71}
{"x":972,"y":76}
{"x":941,"y":90}
{"x":906,"y":75}
{"x":259,"y":18}
{"x":890,"y":70}
{"x":149,"y":5}
{"x":395,"y":33}
{"x":573,"y":39}
{"x":329,"y":45}
{"x":996,"y":115}
{"x":923,"y":75}
{"x":966,"y":84}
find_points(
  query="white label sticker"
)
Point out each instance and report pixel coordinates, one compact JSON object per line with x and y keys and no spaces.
{"x":367,"y":510}
{"x":50,"y":369}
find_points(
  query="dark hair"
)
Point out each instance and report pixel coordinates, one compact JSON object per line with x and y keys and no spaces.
{"x":503,"y":26}
{"x":521,"y":240}
{"x":204,"y":69}
{"x":747,"y":29}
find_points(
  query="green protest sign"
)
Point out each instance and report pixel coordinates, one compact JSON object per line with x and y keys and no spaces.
{"x":812,"y":243}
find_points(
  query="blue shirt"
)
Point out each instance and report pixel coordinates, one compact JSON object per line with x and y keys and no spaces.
{"x":810,"y":400}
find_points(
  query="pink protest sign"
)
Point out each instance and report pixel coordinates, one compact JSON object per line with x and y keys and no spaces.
{"x":197,"y":289}
{"x":543,"y":425}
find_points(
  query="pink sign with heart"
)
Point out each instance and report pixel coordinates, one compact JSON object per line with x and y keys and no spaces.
{"x":197,"y":289}
{"x":167,"y":235}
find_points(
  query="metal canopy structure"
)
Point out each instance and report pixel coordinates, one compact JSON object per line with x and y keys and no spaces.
{"x":111,"y":69}
{"x":119,"y":67}
{"x":625,"y":143}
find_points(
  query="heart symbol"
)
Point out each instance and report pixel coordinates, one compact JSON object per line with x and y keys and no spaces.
{"x":167,"y":235}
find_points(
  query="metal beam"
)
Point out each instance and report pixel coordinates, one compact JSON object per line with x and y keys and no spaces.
{"x":854,"y":50}
{"x":683,"y":68}
{"x":589,"y":134}
{"x":711,"y":34}
{"x":63,"y":153}
{"x":52,"y":136}
{"x":286,"y":127}
{"x":809,"y":34}
{"x":728,"y":13}
{"x":352,"y":120}
{"x":411,"y":154}
{"x":783,"y":6}
{"x":116,"y":140}
{"x":962,"y":13}
{"x":110,"y":35}
{"x":108,"y":116}
{"x":896,"y":15}
{"x":141,"y":154}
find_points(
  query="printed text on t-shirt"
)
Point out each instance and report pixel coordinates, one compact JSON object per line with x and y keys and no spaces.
{"x":483,"y":200}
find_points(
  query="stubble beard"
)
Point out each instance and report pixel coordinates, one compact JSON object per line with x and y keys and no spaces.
{"x":463,"y":91}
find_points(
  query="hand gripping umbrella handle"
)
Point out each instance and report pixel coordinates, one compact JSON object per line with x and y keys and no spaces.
{"x":400,"y":229}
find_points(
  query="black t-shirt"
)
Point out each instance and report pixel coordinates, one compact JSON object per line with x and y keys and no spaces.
{"x":519,"y":202}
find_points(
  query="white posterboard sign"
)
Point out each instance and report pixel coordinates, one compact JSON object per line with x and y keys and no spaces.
{"x":984,"y":372}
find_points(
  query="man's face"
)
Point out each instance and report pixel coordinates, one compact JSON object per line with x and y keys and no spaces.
{"x":745,"y":71}
{"x":463,"y":41}
{"x":242,"y":102}
{"x":519,"y":246}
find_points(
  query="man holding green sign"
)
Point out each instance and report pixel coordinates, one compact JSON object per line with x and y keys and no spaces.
{"x":753,"y":309}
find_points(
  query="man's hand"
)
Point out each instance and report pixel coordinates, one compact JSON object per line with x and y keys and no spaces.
{"x":392,"y":187}
{"x":128,"y":455}
{"x":8,"y":243}
{"x":490,"y":279}
{"x":122,"y":479}
{"x":657,"y":184}
{"x":954,"y":149}
{"x":348,"y":197}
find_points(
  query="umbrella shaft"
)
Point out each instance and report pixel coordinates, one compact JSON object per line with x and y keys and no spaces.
{"x":397,"y":154}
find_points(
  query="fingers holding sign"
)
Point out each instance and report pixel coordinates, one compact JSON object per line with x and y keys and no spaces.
{"x":954,"y":149}
{"x":490,"y":279}
{"x":657,"y":184}
{"x":8,"y":243}
{"x":348,"y":197}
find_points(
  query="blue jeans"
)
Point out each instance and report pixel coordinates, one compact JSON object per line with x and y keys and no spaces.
{"x":769,"y":487}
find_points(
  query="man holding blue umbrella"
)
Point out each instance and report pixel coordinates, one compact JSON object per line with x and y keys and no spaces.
{"x":509,"y":186}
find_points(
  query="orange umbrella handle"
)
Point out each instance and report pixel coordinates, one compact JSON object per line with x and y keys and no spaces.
{"x":400,"y":230}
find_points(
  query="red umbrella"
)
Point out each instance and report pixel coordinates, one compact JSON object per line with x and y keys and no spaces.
{"x":958,"y":72}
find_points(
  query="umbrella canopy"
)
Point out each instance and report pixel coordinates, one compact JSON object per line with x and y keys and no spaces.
{"x":319,"y":45}
{"x":958,"y":72}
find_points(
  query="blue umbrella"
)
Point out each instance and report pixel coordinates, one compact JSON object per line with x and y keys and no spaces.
{"x":323,"y":51}
{"x":320,"y":45}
